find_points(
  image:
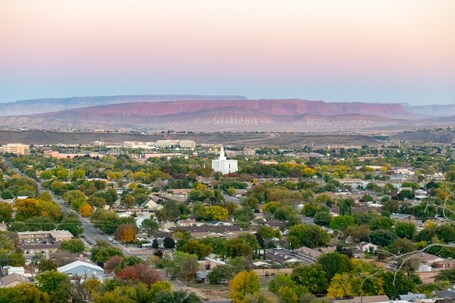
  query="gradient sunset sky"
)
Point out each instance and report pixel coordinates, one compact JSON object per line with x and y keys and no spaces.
{"x":340,"y":50}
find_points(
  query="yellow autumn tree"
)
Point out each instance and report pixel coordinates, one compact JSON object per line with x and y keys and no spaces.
{"x":243,"y":284}
{"x":340,"y":287}
{"x":126,"y":233}
{"x":86,"y":210}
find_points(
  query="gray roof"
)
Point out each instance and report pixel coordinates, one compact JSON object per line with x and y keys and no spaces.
{"x":445,"y":294}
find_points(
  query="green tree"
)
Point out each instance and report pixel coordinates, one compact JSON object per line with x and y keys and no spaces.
{"x":220,"y":274}
{"x":405,"y":230}
{"x":16,"y":259}
{"x":193,"y":246}
{"x":47,"y":265}
{"x":309,"y":235}
{"x":312,"y":277}
{"x":341,"y":222}
{"x":73,"y":245}
{"x":103,"y":251}
{"x":382,"y":237}
{"x":238,"y":247}
{"x":323,"y":218}
{"x":446,"y":275}
{"x":334,"y":263}
{"x":75,"y":198}
{"x":6,"y":212}
{"x":398,"y":283}
{"x":72,"y":224}
{"x":401,"y":246}
{"x":168,"y":243}
{"x":286,"y":289}
{"x":446,"y":233}
{"x":56,"y":285}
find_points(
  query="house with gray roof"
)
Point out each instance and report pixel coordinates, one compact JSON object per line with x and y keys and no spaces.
{"x":82,"y":269}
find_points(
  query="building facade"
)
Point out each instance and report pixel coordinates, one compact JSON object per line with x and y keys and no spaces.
{"x":224,"y":165}
{"x":16,"y":148}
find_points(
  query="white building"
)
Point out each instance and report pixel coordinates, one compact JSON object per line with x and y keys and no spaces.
{"x":82,"y":269}
{"x":223,"y":165}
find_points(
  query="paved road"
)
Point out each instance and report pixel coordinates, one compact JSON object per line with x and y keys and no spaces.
{"x":91,"y":233}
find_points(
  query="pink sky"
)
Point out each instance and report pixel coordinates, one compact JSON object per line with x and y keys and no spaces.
{"x":352,"y":50}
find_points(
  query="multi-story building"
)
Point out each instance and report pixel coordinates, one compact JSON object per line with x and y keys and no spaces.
{"x":16,"y":148}
{"x":187,"y":144}
{"x":224,"y":165}
{"x":50,"y":236}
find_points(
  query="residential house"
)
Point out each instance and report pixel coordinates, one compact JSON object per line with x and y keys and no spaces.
{"x":366,"y":299}
{"x":12,"y":280}
{"x":82,"y":269}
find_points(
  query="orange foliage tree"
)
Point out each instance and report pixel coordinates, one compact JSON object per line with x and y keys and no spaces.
{"x":126,"y":233}
{"x":86,"y":210}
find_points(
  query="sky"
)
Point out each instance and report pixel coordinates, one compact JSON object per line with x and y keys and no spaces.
{"x":351,"y":50}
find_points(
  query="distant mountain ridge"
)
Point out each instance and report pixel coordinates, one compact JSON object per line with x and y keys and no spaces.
{"x":435,"y":110}
{"x":43,"y":105}
{"x":220,"y":114}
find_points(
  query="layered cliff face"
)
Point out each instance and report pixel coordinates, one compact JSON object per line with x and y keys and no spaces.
{"x":226,"y":115}
{"x":36,"y":106}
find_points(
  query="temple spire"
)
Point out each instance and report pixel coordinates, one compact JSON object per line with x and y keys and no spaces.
{"x":222,"y":156}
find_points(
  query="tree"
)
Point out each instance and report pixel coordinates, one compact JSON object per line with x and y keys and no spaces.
{"x":47,"y":265}
{"x":401,"y":246}
{"x":382,"y":237}
{"x":28,"y":208}
{"x":405,"y":230}
{"x":243,"y":284}
{"x":113,"y":264}
{"x":72,"y":224}
{"x":213,"y":213}
{"x":238,"y":247}
{"x":6,"y":212}
{"x":220,"y":274}
{"x":23,"y":293}
{"x":334,"y":263}
{"x":39,"y":223}
{"x":168,"y":243}
{"x":446,"y":233}
{"x":322,"y":218}
{"x":358,"y":233}
{"x":150,"y":226}
{"x":139,"y":273}
{"x":341,"y":222}
{"x":446,"y":275}
{"x":312,"y":277}
{"x":286,"y":289}
{"x":86,"y":210}
{"x":383,"y":223}
{"x":126,"y":233}
{"x":103,"y":251}
{"x":74,"y":246}
{"x":398,"y":283}
{"x":16,"y":259}
{"x":267,"y":232}
{"x":309,"y":235}
{"x":193,"y":246}
{"x":184,"y":266}
{"x":341,"y":286}
{"x":56,"y":285}
{"x":75,"y":198}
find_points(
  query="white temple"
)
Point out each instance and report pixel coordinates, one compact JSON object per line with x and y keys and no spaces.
{"x":223,"y":165}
